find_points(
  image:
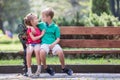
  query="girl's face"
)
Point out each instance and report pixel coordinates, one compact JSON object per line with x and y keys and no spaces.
{"x":34,"y":22}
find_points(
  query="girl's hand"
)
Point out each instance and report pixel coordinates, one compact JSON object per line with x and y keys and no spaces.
{"x":33,"y":30}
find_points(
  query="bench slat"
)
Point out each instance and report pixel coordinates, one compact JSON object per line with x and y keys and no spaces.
{"x":91,"y":51}
{"x":90,"y":30}
{"x":77,"y":43}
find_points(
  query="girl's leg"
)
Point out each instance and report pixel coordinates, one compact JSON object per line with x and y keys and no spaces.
{"x":37,"y":54}
{"x":28,"y":59}
{"x":44,"y":49}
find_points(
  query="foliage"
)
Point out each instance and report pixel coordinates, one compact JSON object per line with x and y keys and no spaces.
{"x":93,"y":20}
{"x":102,"y":20}
{"x":12,"y":11}
{"x":14,"y":8}
{"x":100,"y":6}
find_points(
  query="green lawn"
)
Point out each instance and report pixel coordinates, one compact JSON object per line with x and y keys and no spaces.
{"x":55,"y":60}
{"x":11,"y":47}
{"x":8,"y":44}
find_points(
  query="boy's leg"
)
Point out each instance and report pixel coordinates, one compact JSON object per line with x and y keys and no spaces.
{"x":61,"y":58}
{"x":37,"y":51}
{"x":58,"y":50}
{"x":28,"y":59}
{"x":43,"y":51}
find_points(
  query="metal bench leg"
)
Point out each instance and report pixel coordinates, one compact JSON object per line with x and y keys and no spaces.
{"x":24,"y":63}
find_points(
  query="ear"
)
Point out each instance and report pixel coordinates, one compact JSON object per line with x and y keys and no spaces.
{"x":31,"y":22}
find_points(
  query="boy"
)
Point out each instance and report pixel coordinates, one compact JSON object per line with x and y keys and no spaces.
{"x":50,"y":41}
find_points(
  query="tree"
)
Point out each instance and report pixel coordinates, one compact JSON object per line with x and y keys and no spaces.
{"x":1,"y":10}
{"x":100,"y":6}
{"x":12,"y":10}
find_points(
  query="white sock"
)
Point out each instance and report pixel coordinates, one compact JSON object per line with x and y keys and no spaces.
{"x":39,"y":68}
{"x":29,"y":70}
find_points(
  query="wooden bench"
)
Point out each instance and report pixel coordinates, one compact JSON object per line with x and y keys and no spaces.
{"x":90,"y":37}
{"x":105,"y":39}
{"x":83,"y":37}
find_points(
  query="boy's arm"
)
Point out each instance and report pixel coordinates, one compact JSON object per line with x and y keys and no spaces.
{"x":57,"y":35}
{"x":54,"y":43}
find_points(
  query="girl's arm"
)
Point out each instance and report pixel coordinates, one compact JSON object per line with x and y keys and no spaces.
{"x":36,"y":37}
{"x":42,"y":33}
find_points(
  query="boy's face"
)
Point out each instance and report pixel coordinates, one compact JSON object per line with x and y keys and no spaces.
{"x":44,"y":18}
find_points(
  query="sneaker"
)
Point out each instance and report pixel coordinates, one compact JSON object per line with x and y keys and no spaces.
{"x":37,"y":73}
{"x":50,"y":71}
{"x":68,"y":71}
{"x":29,"y":74}
{"x":25,"y":74}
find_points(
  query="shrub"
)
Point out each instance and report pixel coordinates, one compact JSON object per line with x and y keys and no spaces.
{"x":92,"y":20}
{"x":102,"y":20}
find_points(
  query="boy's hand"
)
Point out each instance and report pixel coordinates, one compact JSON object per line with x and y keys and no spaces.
{"x":51,"y":46}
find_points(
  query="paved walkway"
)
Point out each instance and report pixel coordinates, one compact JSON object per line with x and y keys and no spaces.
{"x":61,"y":76}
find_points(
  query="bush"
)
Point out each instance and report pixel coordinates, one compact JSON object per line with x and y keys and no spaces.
{"x":92,"y":20}
{"x":102,"y":20}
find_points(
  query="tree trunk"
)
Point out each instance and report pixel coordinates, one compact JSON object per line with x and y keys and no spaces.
{"x":1,"y":26}
{"x":118,"y":12}
{"x":115,"y":11}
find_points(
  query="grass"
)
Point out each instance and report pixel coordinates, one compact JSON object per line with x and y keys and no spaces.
{"x":11,"y":47}
{"x":10,"y":44}
{"x":18,"y":47}
{"x":55,"y":60}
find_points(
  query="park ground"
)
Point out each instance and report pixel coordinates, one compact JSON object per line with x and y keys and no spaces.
{"x":61,"y":76}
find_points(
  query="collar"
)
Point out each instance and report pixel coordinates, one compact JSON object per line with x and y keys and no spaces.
{"x":49,"y":25}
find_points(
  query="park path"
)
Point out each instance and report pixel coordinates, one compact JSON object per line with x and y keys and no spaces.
{"x":61,"y":76}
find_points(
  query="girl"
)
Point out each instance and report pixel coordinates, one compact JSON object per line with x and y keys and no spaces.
{"x":33,"y":42}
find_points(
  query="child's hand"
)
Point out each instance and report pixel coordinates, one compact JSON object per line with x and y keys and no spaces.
{"x":51,"y":46}
{"x":33,"y":30}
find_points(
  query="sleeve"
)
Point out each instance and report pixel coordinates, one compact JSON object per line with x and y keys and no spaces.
{"x":57,"y":32}
{"x":41,"y":26}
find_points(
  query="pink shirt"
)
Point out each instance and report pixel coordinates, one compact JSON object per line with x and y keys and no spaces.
{"x":37,"y":33}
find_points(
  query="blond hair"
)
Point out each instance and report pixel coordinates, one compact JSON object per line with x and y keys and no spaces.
{"x":48,"y":12}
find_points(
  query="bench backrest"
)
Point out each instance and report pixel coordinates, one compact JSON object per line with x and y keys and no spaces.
{"x":85,"y":37}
